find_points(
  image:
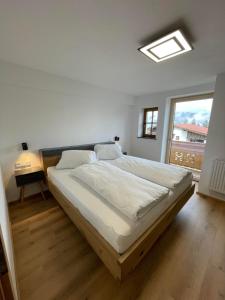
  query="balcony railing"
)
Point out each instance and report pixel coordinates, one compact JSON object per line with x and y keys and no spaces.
{"x":187,"y":154}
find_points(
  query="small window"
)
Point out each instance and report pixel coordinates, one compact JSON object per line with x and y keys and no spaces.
{"x":150,"y":122}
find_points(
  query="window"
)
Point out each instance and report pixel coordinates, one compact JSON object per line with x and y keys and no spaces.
{"x":150,"y":122}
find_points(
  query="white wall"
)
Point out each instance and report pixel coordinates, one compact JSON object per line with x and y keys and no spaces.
{"x":215,"y":147}
{"x":48,"y":111}
{"x":155,"y":149}
{"x":6,"y":234}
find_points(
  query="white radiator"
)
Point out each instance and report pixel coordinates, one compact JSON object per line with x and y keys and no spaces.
{"x":217,"y":182}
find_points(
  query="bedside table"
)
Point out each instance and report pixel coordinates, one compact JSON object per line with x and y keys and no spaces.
{"x":27,"y":176}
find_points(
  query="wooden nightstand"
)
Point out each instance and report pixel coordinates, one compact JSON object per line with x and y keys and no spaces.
{"x":27,"y":176}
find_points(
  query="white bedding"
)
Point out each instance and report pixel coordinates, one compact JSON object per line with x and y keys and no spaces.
{"x":117,"y":229}
{"x":131,"y":195}
{"x":159,"y":173}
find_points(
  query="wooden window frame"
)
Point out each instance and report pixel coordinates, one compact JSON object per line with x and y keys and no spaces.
{"x":146,"y":110}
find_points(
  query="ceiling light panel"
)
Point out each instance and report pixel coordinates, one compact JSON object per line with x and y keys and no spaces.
{"x":171,"y":45}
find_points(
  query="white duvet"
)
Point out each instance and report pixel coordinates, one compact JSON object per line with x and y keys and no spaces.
{"x":131,"y":195}
{"x":159,"y":173}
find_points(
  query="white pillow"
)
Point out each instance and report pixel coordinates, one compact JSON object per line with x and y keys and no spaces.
{"x":108,"y":151}
{"x":71,"y":159}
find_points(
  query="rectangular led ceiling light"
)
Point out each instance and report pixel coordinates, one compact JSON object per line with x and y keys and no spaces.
{"x":171,"y":45}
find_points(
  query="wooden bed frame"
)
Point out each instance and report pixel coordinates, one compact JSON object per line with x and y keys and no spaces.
{"x":120,"y":265}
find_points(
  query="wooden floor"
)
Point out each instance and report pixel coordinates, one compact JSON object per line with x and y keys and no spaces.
{"x":187,"y":263}
{"x":32,"y":206}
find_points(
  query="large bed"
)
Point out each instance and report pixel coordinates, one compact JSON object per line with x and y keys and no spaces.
{"x":120,"y":242}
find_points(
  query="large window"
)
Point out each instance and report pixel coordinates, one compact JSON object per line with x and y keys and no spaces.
{"x":150,"y":122}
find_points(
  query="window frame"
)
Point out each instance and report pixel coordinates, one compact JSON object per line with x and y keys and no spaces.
{"x":146,"y":110}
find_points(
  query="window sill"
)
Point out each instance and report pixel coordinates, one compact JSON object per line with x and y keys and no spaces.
{"x":147,"y":138}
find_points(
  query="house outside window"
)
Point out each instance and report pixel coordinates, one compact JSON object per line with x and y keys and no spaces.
{"x":190,"y":133}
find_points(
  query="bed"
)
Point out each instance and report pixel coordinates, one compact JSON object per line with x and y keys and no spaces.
{"x":119,"y":242}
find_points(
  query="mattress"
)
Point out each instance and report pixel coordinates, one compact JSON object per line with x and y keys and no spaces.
{"x":118,"y":230}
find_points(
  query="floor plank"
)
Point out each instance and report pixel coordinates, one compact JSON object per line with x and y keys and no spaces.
{"x":55,"y":262}
{"x":31,"y":206}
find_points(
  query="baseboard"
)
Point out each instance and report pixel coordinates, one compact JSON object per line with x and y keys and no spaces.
{"x":209,"y":196}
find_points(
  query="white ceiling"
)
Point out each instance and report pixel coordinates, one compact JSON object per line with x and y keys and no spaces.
{"x":96,"y":41}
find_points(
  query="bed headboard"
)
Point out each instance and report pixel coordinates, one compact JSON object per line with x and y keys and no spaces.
{"x":51,"y":156}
